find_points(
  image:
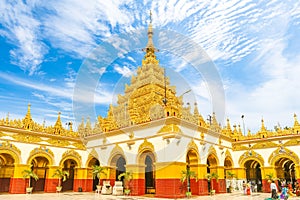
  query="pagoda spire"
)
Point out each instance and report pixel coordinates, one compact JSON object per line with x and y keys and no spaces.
{"x":296,"y":124}
{"x":263,"y":128}
{"x":27,"y":121}
{"x":58,"y":129}
{"x":150,"y":49}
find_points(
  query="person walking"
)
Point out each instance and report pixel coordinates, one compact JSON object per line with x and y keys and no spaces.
{"x":274,"y":190}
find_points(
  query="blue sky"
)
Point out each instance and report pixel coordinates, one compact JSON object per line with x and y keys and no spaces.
{"x":255,"y":46}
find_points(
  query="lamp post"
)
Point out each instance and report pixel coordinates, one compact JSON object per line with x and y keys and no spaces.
{"x":243,"y":124}
{"x":209,"y":119}
{"x":185,"y":92}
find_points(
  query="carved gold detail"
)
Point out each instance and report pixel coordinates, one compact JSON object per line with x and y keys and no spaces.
{"x":192,"y":145}
{"x":292,"y":142}
{"x":228,"y":154}
{"x":282,"y":152}
{"x":266,"y":144}
{"x":93,"y":153}
{"x":146,"y":145}
{"x":58,"y":142}
{"x":42,"y":151}
{"x":27,"y":138}
{"x":2,"y":134}
{"x":238,"y":147}
{"x":171,"y":128}
{"x":79,"y":145}
{"x":131,"y":135}
{"x":71,"y":154}
{"x":251,"y":155}
{"x":212,"y":150}
{"x":115,"y":153}
{"x":11,"y":149}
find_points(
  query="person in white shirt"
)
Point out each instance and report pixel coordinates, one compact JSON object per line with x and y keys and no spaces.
{"x":274,"y":190}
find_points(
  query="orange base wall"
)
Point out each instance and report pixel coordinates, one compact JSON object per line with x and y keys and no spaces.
{"x":265,"y":186}
{"x":17,"y":186}
{"x":202,"y":187}
{"x":137,"y":187}
{"x":221,"y":186}
{"x":50,"y":185}
{"x":85,"y":184}
{"x":169,"y":188}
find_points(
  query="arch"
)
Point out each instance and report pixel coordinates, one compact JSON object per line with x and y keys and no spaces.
{"x":285,"y":162}
{"x":147,"y":158}
{"x":192,"y":147}
{"x":228,"y":157}
{"x":212,"y":157}
{"x":115,"y":154}
{"x":228,"y":165}
{"x":92,"y":155}
{"x":11,"y":149}
{"x":39,"y":164}
{"x":71,"y":155}
{"x":253,"y":172}
{"x":41,"y":152}
{"x":92,"y":161}
{"x":251,"y":155}
{"x":285,"y":169}
{"x":7,"y":169}
{"x":69,"y":164}
{"x":283,"y":152}
{"x":146,"y":145}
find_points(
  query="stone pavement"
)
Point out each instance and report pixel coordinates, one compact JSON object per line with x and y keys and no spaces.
{"x":93,"y":196}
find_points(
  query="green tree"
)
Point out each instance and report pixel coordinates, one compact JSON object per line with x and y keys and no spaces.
{"x":230,"y":175}
{"x":61,"y":175}
{"x":97,"y":171}
{"x":270,"y":177}
{"x":29,"y":173}
{"x":212,"y":176}
{"x":128,"y":176}
{"x":186,"y":175}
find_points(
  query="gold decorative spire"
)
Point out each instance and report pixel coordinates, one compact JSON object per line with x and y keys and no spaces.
{"x":58,"y":129}
{"x":263,"y":128}
{"x":150,"y":49}
{"x":296,"y":124}
{"x":27,"y":121}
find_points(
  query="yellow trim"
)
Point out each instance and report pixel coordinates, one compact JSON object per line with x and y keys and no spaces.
{"x":169,"y":170}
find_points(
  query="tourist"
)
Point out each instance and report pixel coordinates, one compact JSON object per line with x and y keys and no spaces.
{"x":274,"y":190}
{"x":284,"y":193}
{"x":244,"y":187}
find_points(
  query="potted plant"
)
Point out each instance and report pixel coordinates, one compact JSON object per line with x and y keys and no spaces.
{"x":97,"y":171}
{"x":62,"y":177}
{"x":186,"y":175}
{"x":270,"y":177}
{"x":127,"y":178}
{"x":230,"y":176}
{"x":28,"y":173}
{"x":209,"y":178}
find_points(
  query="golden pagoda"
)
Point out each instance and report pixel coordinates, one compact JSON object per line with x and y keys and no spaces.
{"x":150,"y":134}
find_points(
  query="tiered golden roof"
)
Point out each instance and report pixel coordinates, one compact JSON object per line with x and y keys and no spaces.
{"x":148,"y":97}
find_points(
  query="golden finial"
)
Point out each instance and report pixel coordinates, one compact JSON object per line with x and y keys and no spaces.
{"x":150,"y":16}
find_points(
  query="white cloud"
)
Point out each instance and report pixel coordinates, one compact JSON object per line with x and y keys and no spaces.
{"x":22,"y":29}
{"x":276,"y":99}
{"x":124,"y":71}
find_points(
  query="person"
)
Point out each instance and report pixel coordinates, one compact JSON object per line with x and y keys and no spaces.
{"x":248,"y":186}
{"x":284,"y":193}
{"x":244,"y":187}
{"x":274,"y":190}
{"x":297,"y":190}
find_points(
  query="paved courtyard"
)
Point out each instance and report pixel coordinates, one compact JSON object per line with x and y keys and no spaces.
{"x":92,"y":196}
